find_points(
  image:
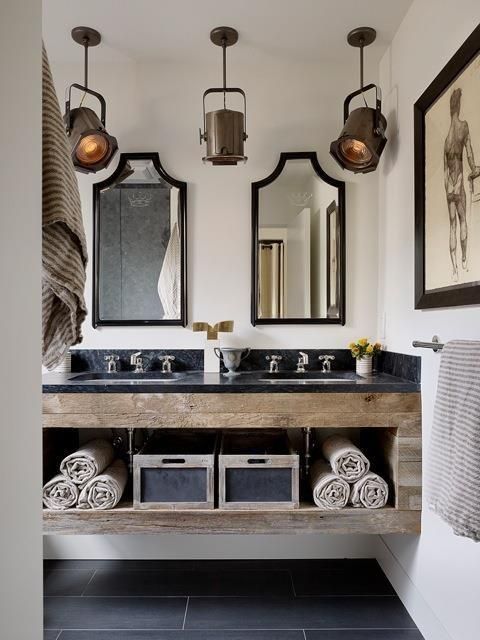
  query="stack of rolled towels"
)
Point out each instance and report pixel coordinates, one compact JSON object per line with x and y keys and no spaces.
{"x":344,"y":477}
{"x":90,"y":478}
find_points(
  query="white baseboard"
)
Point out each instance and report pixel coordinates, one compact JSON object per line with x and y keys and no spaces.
{"x":416,"y":605}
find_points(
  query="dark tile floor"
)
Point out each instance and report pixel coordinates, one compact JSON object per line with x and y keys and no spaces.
{"x":222,"y":600}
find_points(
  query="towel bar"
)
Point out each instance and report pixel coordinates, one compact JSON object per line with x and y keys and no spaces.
{"x":435,"y":344}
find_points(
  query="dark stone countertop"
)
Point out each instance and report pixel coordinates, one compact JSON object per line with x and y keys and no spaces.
{"x":247,"y":382}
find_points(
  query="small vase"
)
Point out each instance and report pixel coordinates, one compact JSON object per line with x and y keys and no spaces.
{"x":364,"y":366}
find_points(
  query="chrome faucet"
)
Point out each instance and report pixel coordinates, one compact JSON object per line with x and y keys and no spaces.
{"x":167,"y":363}
{"x":111,"y":361}
{"x":136,"y":360}
{"x":326,"y":363}
{"x":274,"y":360}
{"x":302,"y":362}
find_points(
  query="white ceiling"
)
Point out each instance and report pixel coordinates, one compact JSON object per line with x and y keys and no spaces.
{"x":300,"y":30}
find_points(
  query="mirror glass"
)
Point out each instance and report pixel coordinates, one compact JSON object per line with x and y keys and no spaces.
{"x":139,"y":245}
{"x":299,"y":263}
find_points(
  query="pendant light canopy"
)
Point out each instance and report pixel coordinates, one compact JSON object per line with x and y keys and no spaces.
{"x":362,"y":139}
{"x":91,"y":146}
{"x":224,"y":129}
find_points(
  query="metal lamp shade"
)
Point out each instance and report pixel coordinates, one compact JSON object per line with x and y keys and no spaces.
{"x":91,"y":146}
{"x":225,"y":135}
{"x":361,"y":142}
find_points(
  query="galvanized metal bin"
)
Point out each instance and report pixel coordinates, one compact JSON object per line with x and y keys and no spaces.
{"x":258,"y":470}
{"x":176,"y":470}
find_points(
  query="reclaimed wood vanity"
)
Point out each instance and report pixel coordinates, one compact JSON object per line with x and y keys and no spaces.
{"x":386,"y":410}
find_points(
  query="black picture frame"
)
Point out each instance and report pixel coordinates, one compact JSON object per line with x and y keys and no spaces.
{"x":332,"y":305}
{"x":256,"y":186}
{"x":98,"y":187}
{"x":453,"y":295}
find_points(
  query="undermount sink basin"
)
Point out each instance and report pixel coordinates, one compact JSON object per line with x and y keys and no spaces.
{"x":309,"y":377}
{"x":127,"y":377}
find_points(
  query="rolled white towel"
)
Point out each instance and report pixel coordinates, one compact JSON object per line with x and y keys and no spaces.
{"x":370,"y":492}
{"x":346,"y":460}
{"x":60,"y":493}
{"x":106,"y":490}
{"x":329,"y":491}
{"x":90,"y":460}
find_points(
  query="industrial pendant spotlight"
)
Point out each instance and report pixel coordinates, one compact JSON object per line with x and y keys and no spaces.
{"x":91,"y":146}
{"x":362,"y":140}
{"x":224,"y":129}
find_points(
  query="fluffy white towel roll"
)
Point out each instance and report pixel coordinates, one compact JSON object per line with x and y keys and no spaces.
{"x":370,"y":492}
{"x":86,"y":463}
{"x":60,"y":493}
{"x":106,"y":490}
{"x":329,"y":491}
{"x":346,"y":460}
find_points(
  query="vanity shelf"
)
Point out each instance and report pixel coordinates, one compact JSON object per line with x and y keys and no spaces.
{"x":391,"y":421}
{"x":124,"y":519}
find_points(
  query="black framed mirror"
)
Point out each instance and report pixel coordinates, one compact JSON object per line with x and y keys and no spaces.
{"x":298,"y":244}
{"x":139,"y":245}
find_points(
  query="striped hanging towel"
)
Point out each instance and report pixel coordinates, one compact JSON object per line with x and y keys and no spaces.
{"x":454,"y":469}
{"x":64,"y":250}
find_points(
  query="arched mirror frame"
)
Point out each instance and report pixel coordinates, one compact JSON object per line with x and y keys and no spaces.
{"x":182,"y":221}
{"x":256,"y":186}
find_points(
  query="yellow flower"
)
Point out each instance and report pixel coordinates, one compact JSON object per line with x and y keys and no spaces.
{"x":355,"y":351}
{"x":363,"y":342}
{"x":378,"y":346}
{"x":352,"y":345}
{"x":369,"y":348}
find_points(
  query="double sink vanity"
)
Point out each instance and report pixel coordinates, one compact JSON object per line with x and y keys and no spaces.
{"x":383,"y":410}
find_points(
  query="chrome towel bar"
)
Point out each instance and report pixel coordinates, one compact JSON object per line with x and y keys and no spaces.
{"x":435,"y":344}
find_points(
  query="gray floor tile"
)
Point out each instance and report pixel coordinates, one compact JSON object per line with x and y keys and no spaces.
{"x":211,"y":565}
{"x":190,"y":583}
{"x":114,"y":613}
{"x":50,"y":634}
{"x":65,"y":583}
{"x":346,"y":581}
{"x":362,"y":612}
{"x":182,"y":635}
{"x":355,"y":634}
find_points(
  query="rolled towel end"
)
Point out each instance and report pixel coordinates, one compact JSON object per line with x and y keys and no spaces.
{"x":329,"y":491}
{"x":106,"y":490}
{"x":370,"y":492}
{"x":346,"y":460}
{"x":60,"y":493}
{"x":90,"y":460}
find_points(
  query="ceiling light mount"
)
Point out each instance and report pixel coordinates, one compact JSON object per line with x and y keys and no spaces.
{"x":362,"y":139}
{"x":92,"y":148}
{"x":224,"y":129}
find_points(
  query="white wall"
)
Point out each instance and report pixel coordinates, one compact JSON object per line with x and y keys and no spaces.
{"x":157,"y":106}
{"x":438,"y":569}
{"x":20,"y":320}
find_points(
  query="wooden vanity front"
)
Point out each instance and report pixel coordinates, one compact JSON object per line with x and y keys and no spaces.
{"x":394,"y":418}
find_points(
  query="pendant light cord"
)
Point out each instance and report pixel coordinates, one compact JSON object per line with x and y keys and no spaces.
{"x":85,"y":67}
{"x":361,"y":70}
{"x":224,"y":48}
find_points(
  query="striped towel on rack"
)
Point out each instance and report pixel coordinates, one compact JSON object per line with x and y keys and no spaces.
{"x":64,"y":247}
{"x":454,"y":469}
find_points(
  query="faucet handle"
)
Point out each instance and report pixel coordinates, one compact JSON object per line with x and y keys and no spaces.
{"x":111,"y":358}
{"x":134,"y":357}
{"x":166,"y":358}
{"x":274,"y":358}
{"x":326,"y":358}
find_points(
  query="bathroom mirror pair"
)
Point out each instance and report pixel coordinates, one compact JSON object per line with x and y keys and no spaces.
{"x":298,"y":245}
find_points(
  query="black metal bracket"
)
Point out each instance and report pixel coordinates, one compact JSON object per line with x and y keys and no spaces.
{"x":378,"y":104}
{"x":95,"y":94}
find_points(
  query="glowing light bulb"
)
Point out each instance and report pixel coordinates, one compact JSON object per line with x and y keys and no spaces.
{"x":355,"y":151}
{"x":92,"y":149}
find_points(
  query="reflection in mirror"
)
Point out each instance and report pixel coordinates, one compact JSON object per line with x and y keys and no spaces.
{"x":139,"y":245}
{"x":298,"y":244}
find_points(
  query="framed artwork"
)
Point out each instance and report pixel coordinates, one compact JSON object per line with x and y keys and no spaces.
{"x":447,"y":183}
{"x":333,"y":253}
